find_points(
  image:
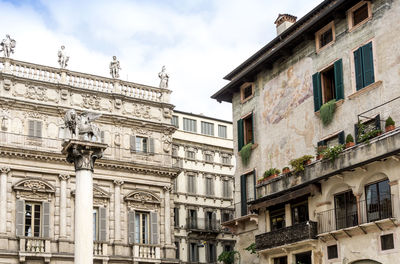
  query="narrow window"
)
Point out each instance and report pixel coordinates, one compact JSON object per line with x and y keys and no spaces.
{"x":191,"y":184}
{"x":325,"y":36}
{"x":387,"y":242}
{"x":211,"y":252}
{"x":300,"y":213}
{"x":177,"y":250}
{"x":209,"y":187}
{"x":141,"y":144}
{"x":247,"y":190}
{"x":192,"y":219}
{"x":193,"y":252}
{"x":176,"y":217}
{"x":95,"y":224}
{"x":245,"y":129}
{"x":346,"y":210}
{"x":328,"y":84}
{"x":222,"y":131}
{"x":175,"y":121}
{"x":142,"y":227}
{"x":226,"y":189}
{"x":332,"y":252}
{"x":364,"y":66}
{"x":277,"y":219}
{"x":32,"y":219}
{"x":379,"y":205}
{"x":246,"y":91}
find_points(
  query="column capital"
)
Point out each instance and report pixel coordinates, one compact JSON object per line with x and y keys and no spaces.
{"x":83,"y":153}
{"x":5,"y":169}
{"x":64,"y":177}
{"x":118,"y":182}
{"x":167,"y":188}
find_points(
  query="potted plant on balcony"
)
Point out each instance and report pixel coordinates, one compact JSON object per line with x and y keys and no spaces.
{"x":389,"y":124}
{"x":320,"y":152}
{"x":364,"y":135}
{"x":299,"y":164}
{"x":271,"y":173}
{"x":245,"y":153}
{"x":333,"y":152}
{"x":285,"y":170}
{"x":349,"y":141}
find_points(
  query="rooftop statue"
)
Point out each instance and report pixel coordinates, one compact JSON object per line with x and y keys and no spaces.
{"x":81,"y":127}
{"x":164,"y":77}
{"x":114,"y":67}
{"x":63,"y":58}
{"x":7,"y":46}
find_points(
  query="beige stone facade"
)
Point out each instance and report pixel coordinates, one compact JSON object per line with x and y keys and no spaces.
{"x":133,"y":204}
{"x":202,"y":147}
{"x":342,"y":50}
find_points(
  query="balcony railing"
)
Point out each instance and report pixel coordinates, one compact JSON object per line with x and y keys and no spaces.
{"x":287,"y":235}
{"x":99,"y":248}
{"x":203,"y":224}
{"x":34,"y":245}
{"x":145,"y":251}
{"x":361,"y":213}
{"x":82,"y":80}
{"x":53,"y":145}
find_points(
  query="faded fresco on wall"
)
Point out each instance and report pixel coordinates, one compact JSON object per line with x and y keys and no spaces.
{"x":287,"y":91}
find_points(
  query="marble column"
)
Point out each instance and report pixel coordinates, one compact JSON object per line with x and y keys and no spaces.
{"x":83,"y":154}
{"x":63,"y":204}
{"x":117,"y":210}
{"x":167,"y":214}
{"x":3,"y":199}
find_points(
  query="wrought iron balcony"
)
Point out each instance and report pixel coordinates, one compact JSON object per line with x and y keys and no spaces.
{"x":361,"y":213}
{"x":287,"y":235}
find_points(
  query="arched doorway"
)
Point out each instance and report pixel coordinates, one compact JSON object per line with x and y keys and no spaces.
{"x":365,"y":261}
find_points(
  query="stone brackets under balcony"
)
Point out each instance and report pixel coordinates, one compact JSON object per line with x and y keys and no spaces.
{"x":288,"y":235}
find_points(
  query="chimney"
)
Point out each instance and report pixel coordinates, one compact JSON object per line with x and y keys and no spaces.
{"x":283,"y":22}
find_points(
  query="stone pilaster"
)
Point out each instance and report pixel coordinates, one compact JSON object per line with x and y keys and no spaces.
{"x":117,"y":210}
{"x":3,"y":199}
{"x":63,"y":204}
{"x":169,"y":248}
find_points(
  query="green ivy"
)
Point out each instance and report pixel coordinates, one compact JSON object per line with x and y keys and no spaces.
{"x":298,"y":164}
{"x":252,"y":248}
{"x":245,"y":153}
{"x":326,"y":112}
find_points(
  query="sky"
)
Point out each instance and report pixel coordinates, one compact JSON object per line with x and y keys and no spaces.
{"x":199,"y":41}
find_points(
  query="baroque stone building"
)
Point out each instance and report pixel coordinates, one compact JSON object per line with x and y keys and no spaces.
{"x":133,"y":204}
{"x":340,"y":62}
{"x":202,"y":147}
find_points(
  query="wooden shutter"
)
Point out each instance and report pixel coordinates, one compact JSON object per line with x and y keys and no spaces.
{"x":38,"y":129}
{"x":214,"y":220}
{"x":317,"y":91}
{"x":368,"y":64}
{"x":19,"y":217}
{"x":341,"y":138}
{"x":151,"y":145}
{"x":358,"y":67}
{"x":252,"y":128}
{"x":132,"y":141}
{"x":240,"y":134}
{"x":102,"y":224}
{"x":339,"y":89}
{"x":243,"y":196}
{"x":131,"y":227}
{"x":154,"y":228}
{"x":46,"y":219}
{"x":254,"y":184}
{"x":31,"y":128}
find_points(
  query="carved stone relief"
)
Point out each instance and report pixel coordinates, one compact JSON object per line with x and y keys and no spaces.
{"x":137,"y":110}
{"x":7,"y":84}
{"x":4,"y":119}
{"x":35,"y":189}
{"x":141,"y":199}
{"x":167,"y":141}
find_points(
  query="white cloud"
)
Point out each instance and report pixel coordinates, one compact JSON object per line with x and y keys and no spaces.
{"x":198,"y":41}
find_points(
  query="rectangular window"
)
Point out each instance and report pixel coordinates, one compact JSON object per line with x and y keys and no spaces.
{"x":95,"y":224}
{"x":191,"y":183}
{"x":364,"y":66}
{"x":176,"y":216}
{"x":346,"y":210}
{"x":300,"y":213}
{"x":209,"y":187}
{"x":226,"y":217}
{"x":226,"y":189}
{"x":190,"y":154}
{"x":359,"y":14}
{"x":367,"y":128}
{"x":246,"y":91}
{"x":325,"y":36}
{"x":142,"y":228}
{"x":332,"y":252}
{"x":333,"y":140}
{"x":222,"y":131}
{"x":328,"y":85}
{"x":177,"y":250}
{"x":32,"y":219}
{"x":189,"y":125}
{"x":280,"y":260}
{"x":34,"y":129}
{"x":211,"y":252}
{"x":193,"y":252}
{"x":226,"y":160}
{"x":207,"y":128}
{"x":277,"y":219}
{"x":141,"y":144}
{"x":387,"y":242}
{"x":245,"y":131}
{"x":247,"y":190}
{"x":175,"y":121}
{"x":208,"y":158}
{"x":192,"y":219}
{"x":378,"y":201}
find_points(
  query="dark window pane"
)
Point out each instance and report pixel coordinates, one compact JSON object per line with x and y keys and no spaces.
{"x":332,"y":252}
{"x":277,"y":220}
{"x":325,"y":38}
{"x":248,"y":91}
{"x":280,"y":260}
{"x":387,"y":242}
{"x":360,"y":14}
{"x":345,"y":210}
{"x":300,"y":213}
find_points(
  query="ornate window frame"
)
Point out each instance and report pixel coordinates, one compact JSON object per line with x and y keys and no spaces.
{"x":33,"y":189}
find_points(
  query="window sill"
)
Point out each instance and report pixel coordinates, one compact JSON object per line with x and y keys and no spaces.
{"x":337,"y":104}
{"x":319,"y":50}
{"x":365,"y":89}
{"x":352,"y":28}
{"x":246,"y":99}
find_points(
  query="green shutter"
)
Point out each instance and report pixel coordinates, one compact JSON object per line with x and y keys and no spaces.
{"x":341,"y":138}
{"x":358,"y":69}
{"x":252,"y":128}
{"x":243,"y":196}
{"x":339,"y":89}
{"x":240,"y":134}
{"x":356,"y":132}
{"x":378,"y":122}
{"x":317,"y":91}
{"x":254,"y":184}
{"x":368,"y":64}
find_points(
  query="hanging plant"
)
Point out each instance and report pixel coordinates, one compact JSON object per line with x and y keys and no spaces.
{"x":245,"y":153}
{"x":326,"y":112}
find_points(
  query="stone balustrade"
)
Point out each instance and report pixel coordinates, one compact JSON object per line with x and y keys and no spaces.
{"x":99,"y":248}
{"x":82,"y":80}
{"x":34,"y":245}
{"x":145,"y":251}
